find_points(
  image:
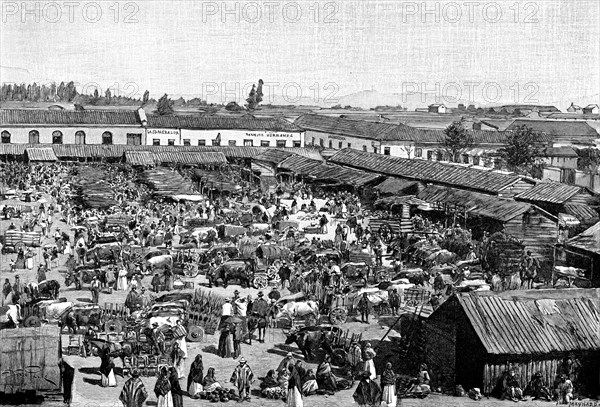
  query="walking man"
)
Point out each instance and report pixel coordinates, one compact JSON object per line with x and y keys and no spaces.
{"x":95,"y":288}
{"x":242,"y":378}
{"x":363,"y":307}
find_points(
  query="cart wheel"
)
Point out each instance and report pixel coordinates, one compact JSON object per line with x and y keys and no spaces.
{"x":338,"y":316}
{"x":195,"y":333}
{"x":113,"y":326}
{"x":188,"y":270}
{"x":19,"y":245}
{"x":339,"y":357}
{"x":32,"y":321}
{"x":272,"y":273}
{"x":260,"y":282}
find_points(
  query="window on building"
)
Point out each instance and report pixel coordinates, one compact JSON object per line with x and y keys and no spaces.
{"x":297,"y":144}
{"x":187,"y":142}
{"x":330,"y":144}
{"x":57,"y":137}
{"x":265,"y":143}
{"x":476,"y":160}
{"x":34,"y":137}
{"x":439,"y":156}
{"x":364,"y":148}
{"x":134,"y":139}
{"x":313,"y":141}
{"x":201,"y":142}
{"x":171,"y":142}
{"x":322,"y":142}
{"x":465,"y":158}
{"x":232,"y":143}
{"x":79,"y":137}
{"x":107,"y":137}
{"x":156,"y":142}
{"x":340,"y":144}
{"x":375,"y":150}
{"x":280,"y":143}
{"x":248,"y":143}
{"x":349,"y":145}
{"x":386,"y":151}
{"x":419,"y":152}
{"x":430,"y":155}
{"x":5,"y":137}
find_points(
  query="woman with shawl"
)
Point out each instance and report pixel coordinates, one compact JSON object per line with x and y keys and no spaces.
{"x":369,"y":366}
{"x":107,"y":370}
{"x":294,"y":396}
{"x":388,"y":384}
{"x":162,"y":389}
{"x":178,"y":358}
{"x":269,"y":387}
{"x":134,"y":393}
{"x":194,"y":382}
{"x":368,"y":393}
{"x":325,"y":378}
{"x":176,"y":393}
{"x":122,"y":280}
{"x":226,"y":342}
{"x":210,"y":382}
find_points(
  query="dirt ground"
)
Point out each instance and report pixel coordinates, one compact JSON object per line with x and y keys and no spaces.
{"x":261,"y":357}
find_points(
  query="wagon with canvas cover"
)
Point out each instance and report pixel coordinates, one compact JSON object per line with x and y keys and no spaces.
{"x":15,"y":240}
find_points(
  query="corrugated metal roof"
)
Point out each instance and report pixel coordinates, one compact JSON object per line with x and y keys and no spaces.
{"x":501,"y":209}
{"x":589,"y":240}
{"x":139,"y":158}
{"x":550,"y":192}
{"x":394,"y":185}
{"x":214,"y":122}
{"x":427,"y":171}
{"x":41,"y":154}
{"x":557,"y":127}
{"x":273,"y":156}
{"x":322,"y":171}
{"x":190,"y":158}
{"x":390,"y":132}
{"x":534,"y":322}
{"x":68,"y":117}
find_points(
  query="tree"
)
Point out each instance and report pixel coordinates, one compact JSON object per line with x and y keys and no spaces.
{"x":146,"y":97}
{"x":108,"y":96}
{"x":255,"y":96}
{"x":589,"y":159}
{"x":521,"y":148}
{"x":164,"y":106}
{"x":456,"y":139}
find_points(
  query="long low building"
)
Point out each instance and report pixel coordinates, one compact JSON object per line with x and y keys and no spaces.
{"x":100,"y":127}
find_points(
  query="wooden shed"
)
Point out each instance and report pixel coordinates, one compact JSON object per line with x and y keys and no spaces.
{"x":29,"y":359}
{"x":473,"y":339}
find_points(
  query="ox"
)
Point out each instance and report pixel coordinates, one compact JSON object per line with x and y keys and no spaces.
{"x":43,"y":289}
{"x":161,"y":261}
{"x":293,"y":310}
{"x":308,"y":340}
{"x":77,"y":316}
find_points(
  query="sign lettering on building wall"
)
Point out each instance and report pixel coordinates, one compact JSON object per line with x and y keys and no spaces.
{"x":164,"y":132}
{"x":272,"y":135}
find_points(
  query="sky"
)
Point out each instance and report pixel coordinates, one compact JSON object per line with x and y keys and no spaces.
{"x":311,"y":52}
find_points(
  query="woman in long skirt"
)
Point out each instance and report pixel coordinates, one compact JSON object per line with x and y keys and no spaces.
{"x":107,"y":370}
{"x":177,"y":356}
{"x":210,"y":382}
{"x":294,"y":396}
{"x":226,"y":342}
{"x":369,"y":364}
{"x":122,"y":279}
{"x":388,"y":384}
{"x":194,"y":382}
{"x":162,"y":389}
{"x":176,"y":392}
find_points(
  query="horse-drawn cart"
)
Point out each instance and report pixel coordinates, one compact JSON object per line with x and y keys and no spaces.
{"x":14,"y":240}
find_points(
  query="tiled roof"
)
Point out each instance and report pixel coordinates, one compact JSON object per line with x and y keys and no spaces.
{"x":68,"y":117}
{"x":139,"y":158}
{"x":215,"y":122}
{"x":387,"y":131}
{"x":427,"y":171}
{"x":589,"y":240}
{"x":273,"y":156}
{"x":560,"y":152}
{"x":537,"y":322}
{"x":327,"y":172}
{"x":501,"y":209}
{"x":557,"y":127}
{"x":394,"y":185}
{"x":584,"y":213}
{"x":41,"y":154}
{"x":550,"y":192}
{"x":190,"y":158}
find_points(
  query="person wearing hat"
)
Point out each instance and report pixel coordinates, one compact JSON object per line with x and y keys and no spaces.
{"x":286,"y":363}
{"x":285,"y":273}
{"x":260,"y":309}
{"x":242,"y":378}
{"x":394,"y":300}
{"x":134,"y":394}
{"x":155,"y":283}
{"x":18,"y":289}
{"x":354,"y":357}
{"x":95,"y":289}
{"x":158,"y":340}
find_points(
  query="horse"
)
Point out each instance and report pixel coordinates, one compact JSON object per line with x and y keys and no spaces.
{"x":43,"y":289}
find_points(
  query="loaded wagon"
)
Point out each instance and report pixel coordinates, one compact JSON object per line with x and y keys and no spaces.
{"x":15,"y":240}
{"x":29,"y":360}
